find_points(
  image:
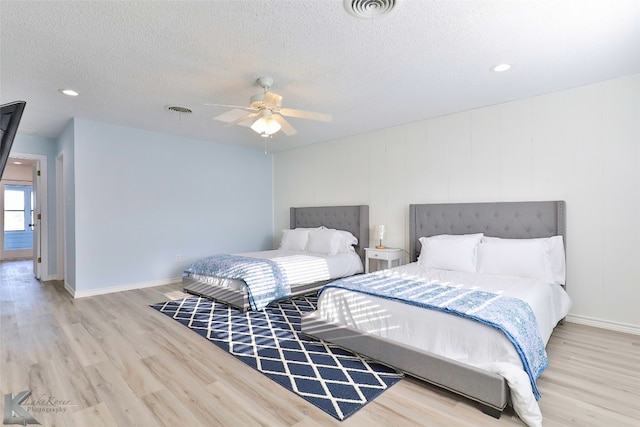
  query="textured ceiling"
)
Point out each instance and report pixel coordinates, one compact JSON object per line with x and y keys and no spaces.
{"x":425,"y":59}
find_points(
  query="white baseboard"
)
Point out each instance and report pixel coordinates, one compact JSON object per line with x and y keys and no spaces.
{"x":604,"y":324}
{"x":121,"y":288}
{"x":68,"y":288}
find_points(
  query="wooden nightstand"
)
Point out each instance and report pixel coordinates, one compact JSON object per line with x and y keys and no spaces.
{"x":387,"y":254}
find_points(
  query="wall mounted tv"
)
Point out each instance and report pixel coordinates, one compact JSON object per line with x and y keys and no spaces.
{"x":10,"y":115}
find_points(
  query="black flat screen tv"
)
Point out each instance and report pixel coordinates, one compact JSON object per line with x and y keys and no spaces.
{"x":10,"y":115}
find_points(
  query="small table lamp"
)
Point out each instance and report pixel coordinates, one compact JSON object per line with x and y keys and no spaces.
{"x":379,"y":231}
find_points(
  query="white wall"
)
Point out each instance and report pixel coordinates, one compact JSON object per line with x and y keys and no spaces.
{"x":141,"y":198}
{"x":18,"y":173}
{"x":65,"y":146}
{"x":581,"y":145}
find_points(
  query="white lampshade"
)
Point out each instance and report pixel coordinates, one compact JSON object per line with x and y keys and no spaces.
{"x":266,"y":125}
{"x":380,"y":231}
{"x":272,"y":127}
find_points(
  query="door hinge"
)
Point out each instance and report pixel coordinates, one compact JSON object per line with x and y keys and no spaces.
{"x":38,"y":173}
{"x":39,"y":216}
{"x":39,"y":260}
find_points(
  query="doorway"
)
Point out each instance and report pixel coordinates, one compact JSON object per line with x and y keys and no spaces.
{"x":23,"y":206}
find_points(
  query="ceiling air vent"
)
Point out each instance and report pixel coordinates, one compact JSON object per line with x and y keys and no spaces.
{"x":179,"y":109}
{"x":369,"y":9}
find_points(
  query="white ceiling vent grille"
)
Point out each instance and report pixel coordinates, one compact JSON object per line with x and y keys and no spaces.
{"x":369,"y":9}
{"x":179,"y":109}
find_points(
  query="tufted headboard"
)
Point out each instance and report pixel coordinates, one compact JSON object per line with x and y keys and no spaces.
{"x":354,"y":219}
{"x":515,"y":220}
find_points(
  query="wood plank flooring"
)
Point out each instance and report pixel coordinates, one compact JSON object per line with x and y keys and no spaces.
{"x":111,"y":360}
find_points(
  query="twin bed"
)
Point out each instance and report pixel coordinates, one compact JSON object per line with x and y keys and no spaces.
{"x":495,"y":260}
{"x":305,"y":271}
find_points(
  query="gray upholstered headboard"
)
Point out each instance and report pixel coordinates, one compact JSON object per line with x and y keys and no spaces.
{"x":515,"y":220}
{"x":354,"y":219}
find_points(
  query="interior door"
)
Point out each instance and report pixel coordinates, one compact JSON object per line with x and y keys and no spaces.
{"x":35,"y":221}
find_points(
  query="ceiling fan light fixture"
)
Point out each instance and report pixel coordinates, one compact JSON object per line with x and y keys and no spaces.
{"x":272,"y":127}
{"x":266,"y":125}
{"x":267,"y":116}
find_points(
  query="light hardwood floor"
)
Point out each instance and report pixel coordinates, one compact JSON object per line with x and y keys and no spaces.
{"x":111,"y":360}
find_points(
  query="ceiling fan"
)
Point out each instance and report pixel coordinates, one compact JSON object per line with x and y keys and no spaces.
{"x":266,"y":113}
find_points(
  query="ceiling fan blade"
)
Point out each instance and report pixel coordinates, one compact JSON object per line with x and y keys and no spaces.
{"x":286,"y":127}
{"x":233,"y":117}
{"x":227,"y":106}
{"x":289,"y":112}
{"x":245,"y":120}
{"x":230,"y":115}
{"x":272,"y":100}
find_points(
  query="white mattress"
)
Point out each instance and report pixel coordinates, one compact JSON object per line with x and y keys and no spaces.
{"x":451,"y":336}
{"x":300,"y":268}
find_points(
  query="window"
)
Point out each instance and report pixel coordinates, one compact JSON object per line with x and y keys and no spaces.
{"x":14,"y":210}
{"x":18,"y":216}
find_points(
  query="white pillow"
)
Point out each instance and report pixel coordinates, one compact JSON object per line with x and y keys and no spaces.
{"x":455,"y":252}
{"x":295,"y":239}
{"x":328,"y":242}
{"x":557,"y":259}
{"x":541,"y":259}
{"x":347,"y":240}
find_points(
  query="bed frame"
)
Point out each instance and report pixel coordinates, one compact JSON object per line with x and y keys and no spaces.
{"x":354,"y":219}
{"x":502,"y":219}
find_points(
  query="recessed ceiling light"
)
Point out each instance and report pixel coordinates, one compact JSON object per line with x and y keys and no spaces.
{"x":501,"y":67}
{"x":69,"y":92}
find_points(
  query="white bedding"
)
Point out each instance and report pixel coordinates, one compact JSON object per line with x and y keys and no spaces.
{"x":451,"y":336}
{"x":300,"y":268}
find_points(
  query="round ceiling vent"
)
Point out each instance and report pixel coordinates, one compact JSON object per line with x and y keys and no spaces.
{"x":369,"y":9}
{"x":179,"y":109}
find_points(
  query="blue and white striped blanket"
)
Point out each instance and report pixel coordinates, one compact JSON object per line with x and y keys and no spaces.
{"x":512,"y":316}
{"x":264,"y":278}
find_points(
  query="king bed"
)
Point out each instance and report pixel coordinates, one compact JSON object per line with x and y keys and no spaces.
{"x":513,"y":254}
{"x":323,"y":243}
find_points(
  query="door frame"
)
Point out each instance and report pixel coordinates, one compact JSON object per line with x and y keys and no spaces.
{"x":61,"y":254}
{"x":40,"y":188}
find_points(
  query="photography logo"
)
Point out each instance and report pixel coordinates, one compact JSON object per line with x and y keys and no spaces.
{"x":14,"y":413}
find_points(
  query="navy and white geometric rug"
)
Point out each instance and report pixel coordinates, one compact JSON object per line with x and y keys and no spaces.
{"x":335,"y":380}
